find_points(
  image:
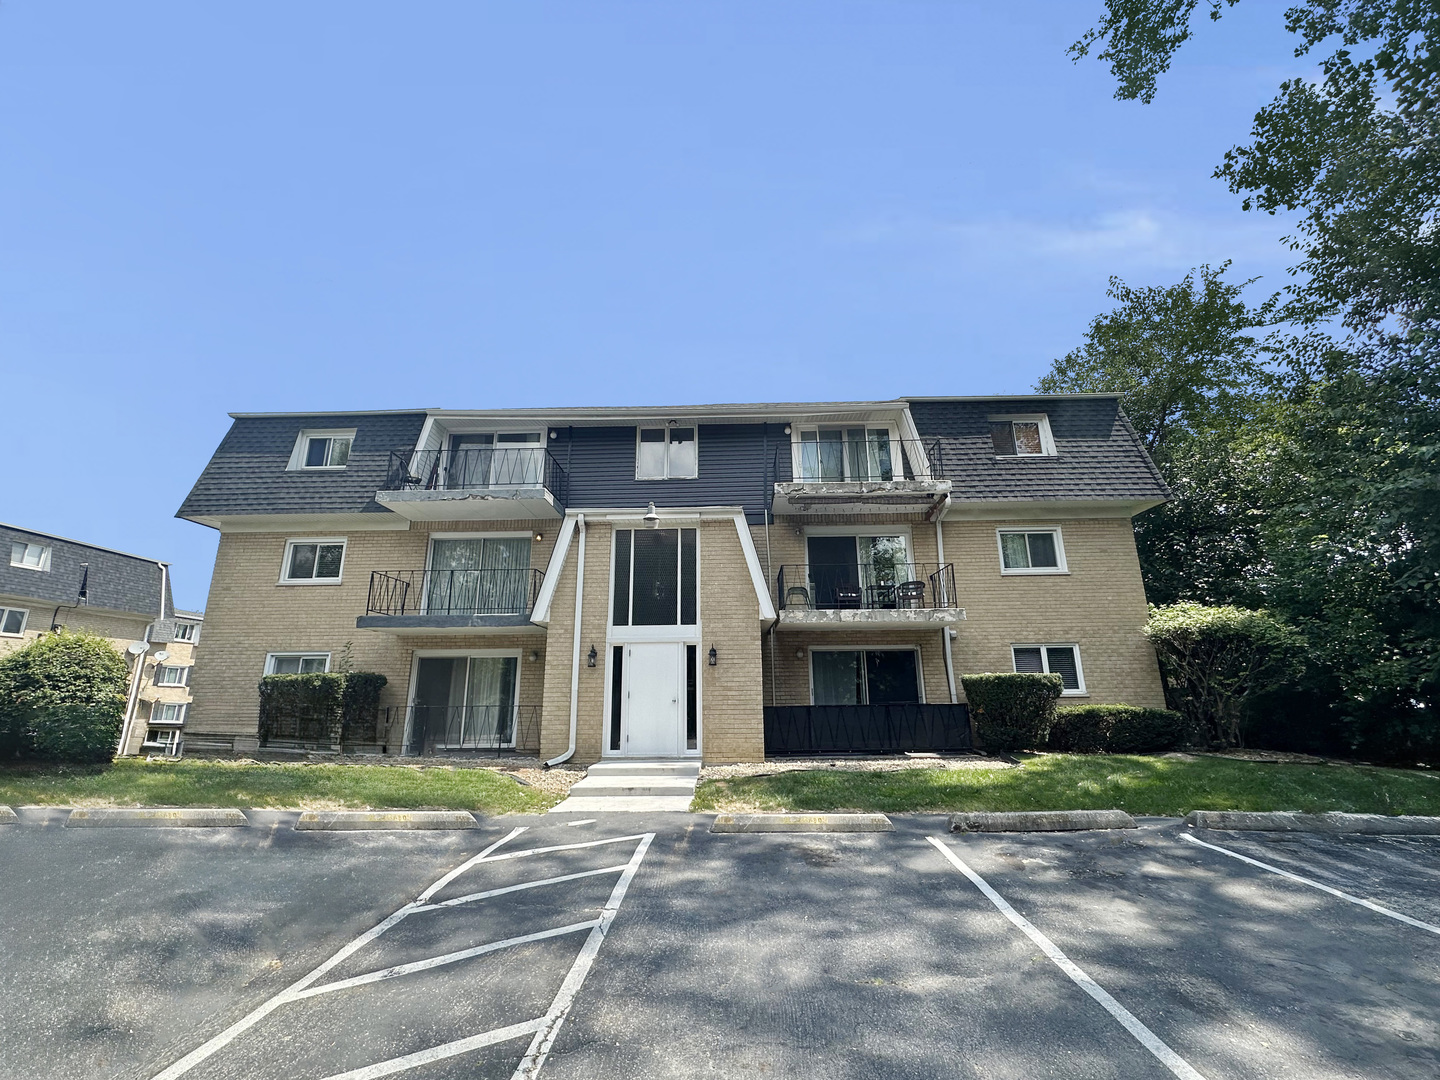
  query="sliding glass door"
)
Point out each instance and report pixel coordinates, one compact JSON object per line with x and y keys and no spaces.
{"x":464,"y":703}
{"x":478,"y":576}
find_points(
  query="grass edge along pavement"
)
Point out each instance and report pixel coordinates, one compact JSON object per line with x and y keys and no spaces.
{"x":1146,"y":785}
{"x":258,"y":785}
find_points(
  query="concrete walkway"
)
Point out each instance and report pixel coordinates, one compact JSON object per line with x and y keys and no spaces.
{"x":634,"y":786}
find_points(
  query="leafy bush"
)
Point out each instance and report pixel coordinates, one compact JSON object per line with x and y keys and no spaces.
{"x":1012,"y":710}
{"x":1115,"y":729}
{"x":1214,"y":658}
{"x":328,"y":707}
{"x":62,"y":697}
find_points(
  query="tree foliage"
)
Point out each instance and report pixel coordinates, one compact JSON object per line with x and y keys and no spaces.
{"x":1215,"y":658}
{"x":62,"y":697}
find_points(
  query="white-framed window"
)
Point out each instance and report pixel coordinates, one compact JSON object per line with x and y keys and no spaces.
{"x":172,"y":675}
{"x":1031,"y":551}
{"x":12,"y":621}
{"x":297,"y":663}
{"x":164,"y":739}
{"x":329,"y":449}
{"x":168,"y":712}
{"x":838,"y":454}
{"x":30,"y":556}
{"x":654,"y":575}
{"x":186,"y":631}
{"x":667,"y":453}
{"x":313,"y":561}
{"x":865,"y":676}
{"x":1022,"y":436}
{"x":1062,"y":660}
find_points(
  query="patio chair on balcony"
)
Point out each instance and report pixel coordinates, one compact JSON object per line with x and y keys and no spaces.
{"x":910,"y":594}
{"x":797,"y":596}
{"x":847,"y":596}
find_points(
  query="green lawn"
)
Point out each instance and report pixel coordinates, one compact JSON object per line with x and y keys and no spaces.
{"x":1139,"y":784}
{"x":314,"y":787}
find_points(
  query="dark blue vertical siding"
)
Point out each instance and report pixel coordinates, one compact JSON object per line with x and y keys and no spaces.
{"x":737,"y":468}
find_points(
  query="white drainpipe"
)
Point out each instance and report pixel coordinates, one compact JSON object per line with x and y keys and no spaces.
{"x":575,"y":657}
{"x":945,"y":631}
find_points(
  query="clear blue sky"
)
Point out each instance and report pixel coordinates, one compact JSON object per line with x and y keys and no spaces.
{"x":207,"y":207}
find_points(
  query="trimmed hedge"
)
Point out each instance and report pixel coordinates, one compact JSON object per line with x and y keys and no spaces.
{"x":321,"y":707}
{"x":1115,"y":729}
{"x":62,"y":698}
{"x":1012,"y":710}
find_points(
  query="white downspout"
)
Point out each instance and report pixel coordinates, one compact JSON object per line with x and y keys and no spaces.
{"x":945,"y":631}
{"x":133,"y":703}
{"x":575,"y":655}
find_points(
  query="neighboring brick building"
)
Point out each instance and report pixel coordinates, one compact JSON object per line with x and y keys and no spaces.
{"x":48,"y":582}
{"x":755,"y":577}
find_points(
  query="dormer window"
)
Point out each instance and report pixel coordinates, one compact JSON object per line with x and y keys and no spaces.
{"x":30,"y":556}
{"x":322,"y":450}
{"x":1021,"y":436}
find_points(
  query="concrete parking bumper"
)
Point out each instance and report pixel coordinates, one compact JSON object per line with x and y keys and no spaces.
{"x":1041,"y":821}
{"x":800,"y":823}
{"x":126,"y":817}
{"x":1286,"y":821}
{"x":368,"y":820}
{"x":8,"y":816}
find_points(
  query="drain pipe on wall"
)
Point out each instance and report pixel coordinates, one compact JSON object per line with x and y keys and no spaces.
{"x":945,"y":631}
{"x":575,"y":655}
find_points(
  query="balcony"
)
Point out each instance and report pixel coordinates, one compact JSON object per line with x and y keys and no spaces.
{"x":877,"y":594}
{"x":465,"y":730}
{"x":477,"y":483}
{"x":465,"y":601}
{"x":858,"y":472}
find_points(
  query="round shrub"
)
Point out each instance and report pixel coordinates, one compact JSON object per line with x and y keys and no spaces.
{"x":62,"y":697}
{"x":1011,"y":710}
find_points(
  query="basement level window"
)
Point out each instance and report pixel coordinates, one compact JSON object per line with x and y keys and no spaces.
{"x":30,"y":556}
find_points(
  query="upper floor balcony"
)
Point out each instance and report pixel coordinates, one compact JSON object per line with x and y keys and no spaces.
{"x":495,"y":479}
{"x":883,"y":592}
{"x":858,"y":471}
{"x":424,"y":601}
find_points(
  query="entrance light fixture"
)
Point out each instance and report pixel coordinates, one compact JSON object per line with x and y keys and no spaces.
{"x":652,"y":519}
{"x":590,"y":660}
{"x":712,"y":656}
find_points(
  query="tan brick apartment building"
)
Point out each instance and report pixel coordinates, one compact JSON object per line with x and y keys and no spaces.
{"x":49,"y":582}
{"x":716,"y":581}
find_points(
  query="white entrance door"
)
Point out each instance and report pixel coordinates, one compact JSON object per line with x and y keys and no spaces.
{"x":652,"y":700}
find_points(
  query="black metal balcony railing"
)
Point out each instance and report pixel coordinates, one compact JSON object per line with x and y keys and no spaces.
{"x":453,"y":592}
{"x":868,"y":460}
{"x":432,"y":729}
{"x":477,"y":469}
{"x":868,"y":586}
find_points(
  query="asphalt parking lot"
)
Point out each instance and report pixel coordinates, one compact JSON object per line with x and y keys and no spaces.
{"x":647,"y":947}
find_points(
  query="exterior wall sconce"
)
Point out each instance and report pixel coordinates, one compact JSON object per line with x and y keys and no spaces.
{"x":652,"y":519}
{"x":539,"y":536}
{"x":799,"y":654}
{"x":590,"y":660}
{"x":787,"y":429}
{"x":713,"y":656}
{"x":534,"y":655}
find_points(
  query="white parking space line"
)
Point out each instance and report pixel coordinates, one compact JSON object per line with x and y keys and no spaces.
{"x":472,"y":897}
{"x":525,"y":854}
{"x":544,"y":1028}
{"x":560,"y":1008}
{"x":1360,"y":900}
{"x":582,"y":821}
{"x":438,"y":1053}
{"x":1147,"y":1038}
{"x":250,"y":1019}
{"x":440,"y":961}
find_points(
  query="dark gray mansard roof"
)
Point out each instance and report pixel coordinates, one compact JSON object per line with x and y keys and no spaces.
{"x":248,"y":474}
{"x":116,"y":581}
{"x":1098,"y":456}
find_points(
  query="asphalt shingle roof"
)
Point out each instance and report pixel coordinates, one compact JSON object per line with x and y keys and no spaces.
{"x":1097,"y":454}
{"x":116,"y":581}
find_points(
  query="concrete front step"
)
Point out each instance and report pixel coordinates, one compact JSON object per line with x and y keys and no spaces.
{"x":634,"y":785}
{"x":644,"y":768}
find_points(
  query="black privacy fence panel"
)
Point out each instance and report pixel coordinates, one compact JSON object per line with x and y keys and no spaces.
{"x":875,"y":729}
{"x":461,"y":729}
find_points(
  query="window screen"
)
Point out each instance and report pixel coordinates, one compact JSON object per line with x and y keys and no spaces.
{"x":654,"y":579}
